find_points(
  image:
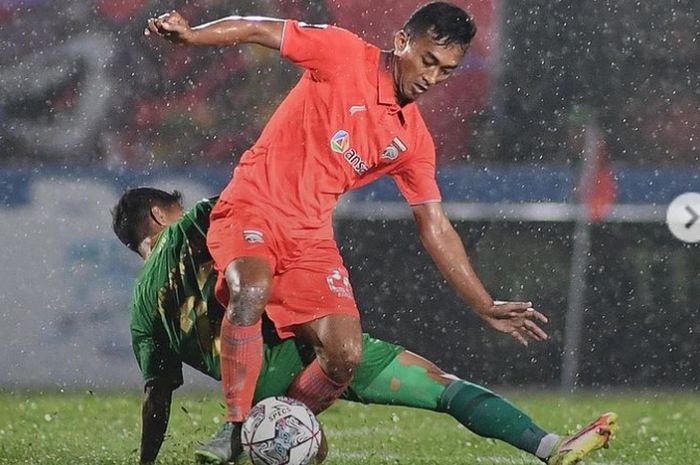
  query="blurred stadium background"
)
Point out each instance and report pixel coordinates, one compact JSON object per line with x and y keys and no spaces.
{"x":562,"y":139}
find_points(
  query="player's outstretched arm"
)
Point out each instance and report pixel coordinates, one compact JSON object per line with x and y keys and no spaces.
{"x":155,"y":412}
{"x":231,"y":30}
{"x":447,"y":250}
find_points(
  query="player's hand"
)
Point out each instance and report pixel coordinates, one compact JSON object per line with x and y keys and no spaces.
{"x":171,"y":26}
{"x":518,"y":319}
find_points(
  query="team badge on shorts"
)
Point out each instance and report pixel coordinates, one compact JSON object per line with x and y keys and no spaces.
{"x":339,"y":283}
{"x":253,"y":236}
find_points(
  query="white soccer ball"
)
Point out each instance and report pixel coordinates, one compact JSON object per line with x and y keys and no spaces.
{"x":281,"y":431}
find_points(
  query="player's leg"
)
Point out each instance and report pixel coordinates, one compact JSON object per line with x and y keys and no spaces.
{"x":282,"y":361}
{"x":248,"y":280}
{"x":239,"y":247}
{"x":312,"y":299}
{"x":412,"y":381}
{"x":245,"y":286}
{"x":337,"y":342}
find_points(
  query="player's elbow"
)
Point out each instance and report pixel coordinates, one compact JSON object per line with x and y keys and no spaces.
{"x":434,"y":230}
{"x":432,"y":222}
{"x":156,"y":393}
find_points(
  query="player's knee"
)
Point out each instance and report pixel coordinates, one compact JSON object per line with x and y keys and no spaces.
{"x":353,"y":355}
{"x":247,"y":305}
{"x":249,"y":291}
{"x":342,"y":362}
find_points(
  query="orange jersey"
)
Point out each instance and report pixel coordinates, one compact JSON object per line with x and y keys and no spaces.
{"x":338,"y":129}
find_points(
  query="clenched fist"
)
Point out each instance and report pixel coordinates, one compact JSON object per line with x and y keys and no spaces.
{"x":171,"y":26}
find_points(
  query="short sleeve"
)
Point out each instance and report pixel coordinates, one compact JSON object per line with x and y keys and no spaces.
{"x":415,"y":177}
{"x":156,"y":360}
{"x":199,"y":214}
{"x":322,"y":49}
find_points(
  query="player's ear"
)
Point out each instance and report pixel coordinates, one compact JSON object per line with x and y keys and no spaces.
{"x":400,"y":41}
{"x":158,"y":215}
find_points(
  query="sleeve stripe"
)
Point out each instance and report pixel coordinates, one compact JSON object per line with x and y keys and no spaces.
{"x":284,"y":31}
{"x":423,"y":202}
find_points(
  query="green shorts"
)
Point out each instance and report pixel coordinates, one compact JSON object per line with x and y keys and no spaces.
{"x":284,"y":360}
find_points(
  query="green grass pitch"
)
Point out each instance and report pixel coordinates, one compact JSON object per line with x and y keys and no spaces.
{"x":103,"y":428}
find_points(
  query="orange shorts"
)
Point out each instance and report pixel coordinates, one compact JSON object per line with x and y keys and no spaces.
{"x":309,"y":278}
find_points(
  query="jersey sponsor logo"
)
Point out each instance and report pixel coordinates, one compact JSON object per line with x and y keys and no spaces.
{"x":394,"y":149}
{"x":340,"y":142}
{"x":357,"y":108}
{"x":354,"y":159}
{"x":339,"y":283}
{"x":253,"y":236}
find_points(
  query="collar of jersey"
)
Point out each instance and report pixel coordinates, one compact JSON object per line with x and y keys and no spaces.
{"x":385,"y":83}
{"x":158,"y":242}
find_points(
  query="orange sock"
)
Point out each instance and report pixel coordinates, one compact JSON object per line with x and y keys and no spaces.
{"x":241,"y":361}
{"x":314,"y":388}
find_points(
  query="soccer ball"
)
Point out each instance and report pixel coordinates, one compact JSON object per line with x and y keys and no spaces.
{"x":281,"y":431}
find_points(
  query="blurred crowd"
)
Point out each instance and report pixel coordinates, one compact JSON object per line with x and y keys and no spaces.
{"x":634,"y":64}
{"x":80,"y":83}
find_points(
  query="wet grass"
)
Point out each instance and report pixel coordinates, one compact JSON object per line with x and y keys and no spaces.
{"x":103,"y":428}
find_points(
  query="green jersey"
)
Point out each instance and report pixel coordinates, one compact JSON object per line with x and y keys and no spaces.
{"x":175,"y":317}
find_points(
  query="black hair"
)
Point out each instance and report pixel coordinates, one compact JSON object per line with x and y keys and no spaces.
{"x":130,"y":214}
{"x":445,"y":23}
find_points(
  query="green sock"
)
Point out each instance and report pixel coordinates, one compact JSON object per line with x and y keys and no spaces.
{"x":490,"y":415}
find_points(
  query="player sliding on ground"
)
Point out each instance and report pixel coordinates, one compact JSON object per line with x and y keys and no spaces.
{"x":175,"y":319}
{"x":351,"y":119}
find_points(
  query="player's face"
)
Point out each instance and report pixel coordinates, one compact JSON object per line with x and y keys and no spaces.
{"x":422,"y":63}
